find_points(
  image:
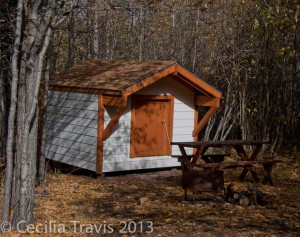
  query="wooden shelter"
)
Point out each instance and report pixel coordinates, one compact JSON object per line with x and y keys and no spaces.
{"x":122,"y":115}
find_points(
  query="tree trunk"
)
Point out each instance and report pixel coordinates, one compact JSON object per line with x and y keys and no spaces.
{"x":12,"y":115}
{"x":95,"y":35}
{"x":27,"y":67}
{"x":2,"y":113}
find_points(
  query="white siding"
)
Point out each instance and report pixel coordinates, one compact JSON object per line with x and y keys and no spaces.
{"x":117,"y":147}
{"x":71,"y":128}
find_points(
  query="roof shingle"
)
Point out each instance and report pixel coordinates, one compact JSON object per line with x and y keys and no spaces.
{"x":108,"y":75}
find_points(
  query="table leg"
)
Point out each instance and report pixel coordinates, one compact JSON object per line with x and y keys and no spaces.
{"x":268,"y":178}
{"x":185,"y":160}
{"x":256,"y":152}
{"x":242,"y":153}
{"x":198,"y":155}
{"x":245,"y":171}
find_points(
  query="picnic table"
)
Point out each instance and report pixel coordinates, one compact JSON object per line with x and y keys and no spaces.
{"x":189,"y":162}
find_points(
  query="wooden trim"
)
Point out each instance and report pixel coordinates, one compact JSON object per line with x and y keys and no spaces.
{"x":153,"y":97}
{"x":132,"y":124}
{"x":114,"y":120}
{"x":99,"y":159}
{"x":200,"y":83}
{"x":196,"y":115}
{"x":171,"y":121}
{"x":204,"y":120}
{"x":150,"y":80}
{"x":113,"y":100}
{"x":133,"y":119}
{"x":83,"y":90}
{"x":207,"y":101}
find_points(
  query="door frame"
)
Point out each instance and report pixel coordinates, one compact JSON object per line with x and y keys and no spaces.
{"x":167,"y":98}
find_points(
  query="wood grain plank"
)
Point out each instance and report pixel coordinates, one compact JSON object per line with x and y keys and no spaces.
{"x":99,"y":160}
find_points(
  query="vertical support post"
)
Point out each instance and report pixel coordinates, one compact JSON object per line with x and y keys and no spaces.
{"x":196,"y":117}
{"x":99,"y":160}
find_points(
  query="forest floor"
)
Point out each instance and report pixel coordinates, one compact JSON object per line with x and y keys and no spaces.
{"x":151,"y":204}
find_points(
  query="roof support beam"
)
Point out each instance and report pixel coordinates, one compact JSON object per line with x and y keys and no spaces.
{"x":112,"y":100}
{"x":207,"y":101}
{"x":115,"y":119}
{"x":204,"y":120}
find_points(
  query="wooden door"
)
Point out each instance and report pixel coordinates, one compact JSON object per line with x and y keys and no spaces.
{"x":151,"y":126}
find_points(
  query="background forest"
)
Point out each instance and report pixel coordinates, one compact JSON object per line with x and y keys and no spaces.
{"x":249,"y":50}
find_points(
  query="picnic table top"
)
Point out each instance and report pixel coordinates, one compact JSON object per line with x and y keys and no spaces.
{"x":220,"y":143}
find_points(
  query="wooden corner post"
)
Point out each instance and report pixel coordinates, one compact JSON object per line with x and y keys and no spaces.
{"x":99,"y":159}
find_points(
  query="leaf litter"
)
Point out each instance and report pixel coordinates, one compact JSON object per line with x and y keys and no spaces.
{"x":116,"y":200}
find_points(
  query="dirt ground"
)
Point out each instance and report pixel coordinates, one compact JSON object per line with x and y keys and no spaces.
{"x":151,"y":204}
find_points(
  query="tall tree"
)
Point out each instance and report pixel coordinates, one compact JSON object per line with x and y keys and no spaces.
{"x":34,"y":23}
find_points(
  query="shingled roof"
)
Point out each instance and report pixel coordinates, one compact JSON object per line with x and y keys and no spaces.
{"x":116,"y":77}
{"x":108,"y":75}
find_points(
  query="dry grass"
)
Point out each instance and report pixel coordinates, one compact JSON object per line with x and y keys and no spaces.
{"x":64,"y":199}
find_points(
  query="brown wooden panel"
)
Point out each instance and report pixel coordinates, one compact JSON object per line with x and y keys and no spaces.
{"x":151,"y":125}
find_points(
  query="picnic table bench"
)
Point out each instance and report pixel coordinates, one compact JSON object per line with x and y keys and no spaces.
{"x":215,"y":161}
